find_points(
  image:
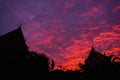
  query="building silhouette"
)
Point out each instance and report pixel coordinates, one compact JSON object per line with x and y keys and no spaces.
{"x":95,"y":59}
{"x":13,"y":44}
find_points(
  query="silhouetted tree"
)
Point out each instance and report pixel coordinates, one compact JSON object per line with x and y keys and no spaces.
{"x":81,"y":66}
{"x":32,"y":66}
{"x":52,"y":65}
{"x":37,"y":65}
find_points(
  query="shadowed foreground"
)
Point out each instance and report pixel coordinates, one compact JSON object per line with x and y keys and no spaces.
{"x":38,"y":67}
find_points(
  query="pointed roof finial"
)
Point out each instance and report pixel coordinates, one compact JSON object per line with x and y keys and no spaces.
{"x":93,"y":49}
{"x":20,"y":25}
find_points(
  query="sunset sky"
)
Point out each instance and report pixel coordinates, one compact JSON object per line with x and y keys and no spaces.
{"x":65,"y":29}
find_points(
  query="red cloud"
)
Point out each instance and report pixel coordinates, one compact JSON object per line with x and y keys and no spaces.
{"x":93,"y":11}
{"x":88,"y":1}
{"x":116,"y":9}
{"x":117,"y":27}
{"x":108,"y":42}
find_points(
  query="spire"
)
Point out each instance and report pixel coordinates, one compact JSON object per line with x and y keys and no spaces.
{"x":94,"y":53}
{"x":17,"y":31}
{"x":20,"y":26}
{"x":93,"y":49}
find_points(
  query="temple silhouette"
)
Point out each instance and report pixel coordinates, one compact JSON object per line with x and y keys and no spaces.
{"x":13,"y":43}
{"x":95,"y":59}
{"x":17,"y":62}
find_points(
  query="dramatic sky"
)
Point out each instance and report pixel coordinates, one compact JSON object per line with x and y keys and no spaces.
{"x":65,"y":29}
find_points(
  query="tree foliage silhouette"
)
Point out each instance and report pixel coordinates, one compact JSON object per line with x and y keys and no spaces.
{"x":52,"y":65}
